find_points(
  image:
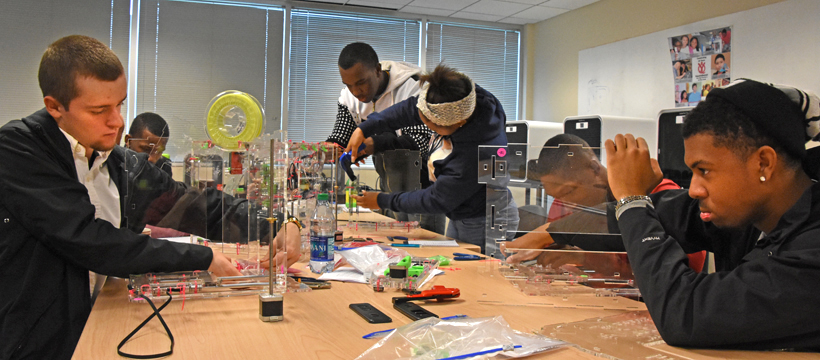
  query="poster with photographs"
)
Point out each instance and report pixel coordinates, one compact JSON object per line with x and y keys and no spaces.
{"x":701,"y":61}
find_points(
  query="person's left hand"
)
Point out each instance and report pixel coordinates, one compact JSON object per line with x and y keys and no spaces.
{"x":629,"y":168}
{"x":294,"y":247}
{"x":222,"y":265}
{"x":367,"y":151}
{"x":253,"y":187}
{"x":523,"y":255}
{"x":368,"y":199}
{"x":356,"y":139}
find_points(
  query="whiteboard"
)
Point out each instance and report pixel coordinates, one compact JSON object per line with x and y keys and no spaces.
{"x":778,"y":43}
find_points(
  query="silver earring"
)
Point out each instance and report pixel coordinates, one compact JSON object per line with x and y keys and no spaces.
{"x":762,"y":179}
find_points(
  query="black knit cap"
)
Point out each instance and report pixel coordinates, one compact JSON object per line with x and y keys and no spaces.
{"x":771,"y":110}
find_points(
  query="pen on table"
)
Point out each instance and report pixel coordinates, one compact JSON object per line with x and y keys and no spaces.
{"x":462,"y":256}
{"x":385,"y":332}
{"x":467,"y":356}
{"x":406,"y":245}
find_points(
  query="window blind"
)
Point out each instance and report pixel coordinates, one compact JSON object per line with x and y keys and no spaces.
{"x":30,"y":26}
{"x":317,"y":38}
{"x":489,"y":57}
{"x":191,"y":51}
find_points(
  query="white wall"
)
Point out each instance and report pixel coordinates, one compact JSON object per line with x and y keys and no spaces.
{"x":553,"y":45}
{"x":778,"y":43}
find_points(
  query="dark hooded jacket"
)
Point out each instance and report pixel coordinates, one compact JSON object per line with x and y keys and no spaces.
{"x":763,"y":294}
{"x":456,"y":191}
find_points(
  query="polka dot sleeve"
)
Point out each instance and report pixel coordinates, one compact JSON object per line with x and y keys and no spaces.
{"x":421,"y":136}
{"x":343,"y":128}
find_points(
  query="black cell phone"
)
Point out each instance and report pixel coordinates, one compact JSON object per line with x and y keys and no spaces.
{"x":370,"y":313}
{"x":412,"y":310}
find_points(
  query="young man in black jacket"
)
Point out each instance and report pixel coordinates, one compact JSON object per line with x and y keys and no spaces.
{"x":751,"y":202}
{"x":55,"y":225}
{"x":149,"y":134}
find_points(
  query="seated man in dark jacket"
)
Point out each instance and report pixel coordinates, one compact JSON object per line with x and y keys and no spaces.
{"x":751,"y":202}
{"x":60,"y":208}
{"x":149,"y":134}
{"x":150,"y":198}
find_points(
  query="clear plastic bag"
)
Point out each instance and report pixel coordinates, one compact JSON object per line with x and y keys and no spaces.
{"x":433,"y":338}
{"x":372,"y":258}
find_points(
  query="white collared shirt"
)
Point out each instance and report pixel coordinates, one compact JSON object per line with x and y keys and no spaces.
{"x":101,"y":189}
{"x":440,"y":148}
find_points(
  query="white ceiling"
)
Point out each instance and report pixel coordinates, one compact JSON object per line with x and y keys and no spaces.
{"x":503,"y":11}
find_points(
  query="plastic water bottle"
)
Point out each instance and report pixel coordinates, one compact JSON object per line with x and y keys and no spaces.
{"x":321,"y":237}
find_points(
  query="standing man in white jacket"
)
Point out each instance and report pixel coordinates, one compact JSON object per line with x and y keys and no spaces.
{"x":372,"y":86}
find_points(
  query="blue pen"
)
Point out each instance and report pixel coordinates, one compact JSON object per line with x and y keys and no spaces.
{"x":385,"y":332}
{"x":406,"y":245}
{"x":463,"y":256}
{"x":467,"y":356}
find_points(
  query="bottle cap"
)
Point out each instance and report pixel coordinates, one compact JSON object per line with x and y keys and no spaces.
{"x":322,"y":197}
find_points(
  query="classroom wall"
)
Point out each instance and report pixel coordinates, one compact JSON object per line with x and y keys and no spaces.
{"x":777,"y":43}
{"x":552,"y":86}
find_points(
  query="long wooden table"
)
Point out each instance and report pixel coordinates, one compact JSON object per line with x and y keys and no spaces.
{"x":319,"y":324}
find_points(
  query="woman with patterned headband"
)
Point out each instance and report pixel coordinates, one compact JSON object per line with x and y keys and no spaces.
{"x":463,"y":116}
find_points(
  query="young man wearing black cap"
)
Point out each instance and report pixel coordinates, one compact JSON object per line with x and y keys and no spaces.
{"x":751,"y":202}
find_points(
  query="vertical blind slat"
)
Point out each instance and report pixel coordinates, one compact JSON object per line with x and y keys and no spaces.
{"x":317,"y":38}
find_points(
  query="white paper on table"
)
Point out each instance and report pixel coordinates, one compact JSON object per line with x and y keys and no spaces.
{"x":346,"y":274}
{"x":434,"y":243}
{"x":180,"y":239}
{"x":435,"y":273}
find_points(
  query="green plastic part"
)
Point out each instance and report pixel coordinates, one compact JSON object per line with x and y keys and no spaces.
{"x":442,"y":260}
{"x":406,"y":261}
{"x":415,"y":271}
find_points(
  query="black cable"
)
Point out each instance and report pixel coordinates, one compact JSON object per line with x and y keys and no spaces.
{"x":167,"y":330}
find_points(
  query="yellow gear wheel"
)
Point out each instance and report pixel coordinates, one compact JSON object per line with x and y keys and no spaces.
{"x":234,"y":117}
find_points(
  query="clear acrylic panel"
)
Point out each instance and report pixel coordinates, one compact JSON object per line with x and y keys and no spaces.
{"x":562,"y":241}
{"x":153,"y":198}
{"x":501,"y":209}
{"x":569,"y":207}
{"x":153,"y":146}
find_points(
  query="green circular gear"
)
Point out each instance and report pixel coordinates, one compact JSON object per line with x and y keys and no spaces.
{"x":234,"y":117}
